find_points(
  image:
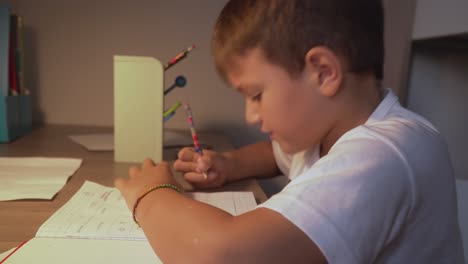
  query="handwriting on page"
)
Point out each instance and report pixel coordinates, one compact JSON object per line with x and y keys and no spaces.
{"x":98,"y":212}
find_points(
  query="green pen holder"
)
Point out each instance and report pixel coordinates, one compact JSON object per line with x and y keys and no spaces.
{"x":15,"y":110}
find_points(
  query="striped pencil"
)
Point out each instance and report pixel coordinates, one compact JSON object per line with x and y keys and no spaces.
{"x":196,"y":144}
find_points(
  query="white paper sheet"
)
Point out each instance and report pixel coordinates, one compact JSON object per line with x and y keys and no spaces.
{"x":105,"y":142}
{"x":82,"y":251}
{"x":235,"y":203}
{"x":95,"y":142}
{"x":100,"y":212}
{"x":34,"y":178}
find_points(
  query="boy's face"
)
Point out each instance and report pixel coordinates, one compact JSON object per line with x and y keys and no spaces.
{"x":291,"y":110}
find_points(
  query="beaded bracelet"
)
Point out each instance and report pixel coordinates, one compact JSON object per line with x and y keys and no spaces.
{"x":160,"y":186}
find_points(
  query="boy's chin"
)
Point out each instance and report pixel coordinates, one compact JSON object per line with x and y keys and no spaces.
{"x":289,"y":148}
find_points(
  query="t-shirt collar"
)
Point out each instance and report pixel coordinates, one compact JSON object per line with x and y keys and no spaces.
{"x":389,"y":100}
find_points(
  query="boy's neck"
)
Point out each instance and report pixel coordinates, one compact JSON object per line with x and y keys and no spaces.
{"x":357,"y":99}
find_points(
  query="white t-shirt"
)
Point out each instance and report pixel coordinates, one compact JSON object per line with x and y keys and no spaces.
{"x":384,"y":193}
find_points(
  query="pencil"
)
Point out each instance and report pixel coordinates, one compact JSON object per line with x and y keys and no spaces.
{"x":178,"y":57}
{"x":196,"y":144}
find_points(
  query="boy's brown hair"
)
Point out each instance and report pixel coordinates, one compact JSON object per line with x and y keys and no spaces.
{"x":285,"y":30}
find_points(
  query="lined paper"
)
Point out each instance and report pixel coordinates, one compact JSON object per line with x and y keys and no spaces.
{"x":100,"y":212}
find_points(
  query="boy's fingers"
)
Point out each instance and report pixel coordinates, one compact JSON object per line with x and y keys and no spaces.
{"x":199,"y":177}
{"x":203,"y":164}
{"x":187,"y":154}
{"x":194,"y":177}
{"x":133,"y":171}
{"x":119,"y":183}
{"x":185,"y":166}
{"x":211,"y":175}
{"x":164,"y":165}
{"x":148,"y":163}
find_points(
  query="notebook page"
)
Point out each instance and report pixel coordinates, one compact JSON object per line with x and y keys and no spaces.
{"x":5,"y":254}
{"x":79,"y":251}
{"x":94,"y":212}
{"x":100,"y":212}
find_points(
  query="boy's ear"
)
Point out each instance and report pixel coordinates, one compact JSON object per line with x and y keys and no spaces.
{"x":325,"y":69}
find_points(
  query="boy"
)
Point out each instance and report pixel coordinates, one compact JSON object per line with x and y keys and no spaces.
{"x":370,"y":182}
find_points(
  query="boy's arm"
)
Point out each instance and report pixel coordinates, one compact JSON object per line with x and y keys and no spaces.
{"x":182,"y":230}
{"x":255,"y":160}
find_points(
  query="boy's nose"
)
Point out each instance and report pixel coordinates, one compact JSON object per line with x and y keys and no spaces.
{"x":252,"y":115}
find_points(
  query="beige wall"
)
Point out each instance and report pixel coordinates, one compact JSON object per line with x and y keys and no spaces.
{"x":435,"y":18}
{"x":399,"y":26}
{"x":70,"y":44}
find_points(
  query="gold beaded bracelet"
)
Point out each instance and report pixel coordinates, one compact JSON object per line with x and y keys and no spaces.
{"x":160,"y":186}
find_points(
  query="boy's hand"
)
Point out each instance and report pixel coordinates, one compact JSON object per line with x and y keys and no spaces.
{"x":193,"y":166}
{"x":142,"y":178}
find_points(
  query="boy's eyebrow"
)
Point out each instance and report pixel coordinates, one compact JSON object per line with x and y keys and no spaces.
{"x":243,"y":88}
{"x":239,"y":88}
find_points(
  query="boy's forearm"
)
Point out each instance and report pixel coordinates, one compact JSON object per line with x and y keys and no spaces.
{"x":182,"y":230}
{"x":256,"y":160}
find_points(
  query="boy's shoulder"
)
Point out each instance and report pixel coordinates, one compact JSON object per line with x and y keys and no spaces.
{"x":400,"y":141}
{"x":400,"y":128}
{"x":409,"y":137}
{"x":405,"y":131}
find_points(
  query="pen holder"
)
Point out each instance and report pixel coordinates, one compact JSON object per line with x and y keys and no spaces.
{"x":15,"y":117}
{"x":15,"y":110}
{"x":138,"y":109}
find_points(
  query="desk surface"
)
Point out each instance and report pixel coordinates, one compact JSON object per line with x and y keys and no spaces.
{"x":20,"y":220}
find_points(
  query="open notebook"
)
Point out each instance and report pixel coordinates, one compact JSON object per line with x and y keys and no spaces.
{"x":95,"y":226}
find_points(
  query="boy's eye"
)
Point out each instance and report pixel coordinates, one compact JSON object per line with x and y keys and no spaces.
{"x":257,"y":97}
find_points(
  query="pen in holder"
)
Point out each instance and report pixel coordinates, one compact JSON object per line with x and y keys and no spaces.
{"x":180,"y":82}
{"x":182,"y":55}
{"x":15,"y":101}
{"x":171,"y":111}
